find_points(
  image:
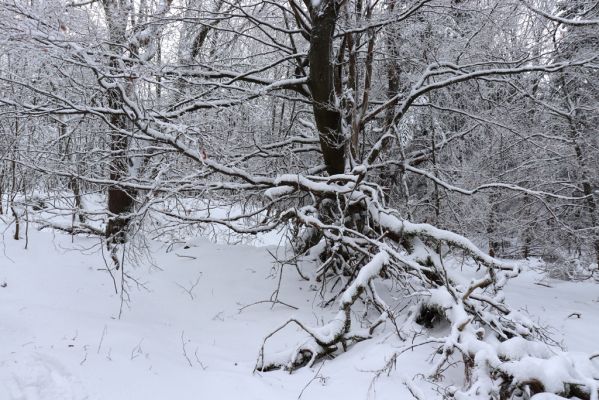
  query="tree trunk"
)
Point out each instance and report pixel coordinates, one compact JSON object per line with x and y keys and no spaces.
{"x":120,"y":200}
{"x":327,"y":115}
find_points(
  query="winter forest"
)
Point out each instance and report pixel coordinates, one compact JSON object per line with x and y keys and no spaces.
{"x":299,"y":199}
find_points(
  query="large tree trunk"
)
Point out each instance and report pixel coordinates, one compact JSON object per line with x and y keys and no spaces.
{"x":327,"y":115}
{"x":120,"y":200}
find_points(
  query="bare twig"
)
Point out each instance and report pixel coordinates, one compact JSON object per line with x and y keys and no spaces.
{"x":315,"y":377}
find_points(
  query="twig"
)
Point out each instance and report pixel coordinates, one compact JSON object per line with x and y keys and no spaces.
{"x":85,"y":356}
{"x":193,"y":286}
{"x":137,"y":350}
{"x":268,"y":301}
{"x":186,"y":256}
{"x":316,"y":376}
{"x":102,"y":339}
{"x":183,"y":343}
{"x":195,"y":353}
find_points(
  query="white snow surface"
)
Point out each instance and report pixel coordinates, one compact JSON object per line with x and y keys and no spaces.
{"x":61,"y":338}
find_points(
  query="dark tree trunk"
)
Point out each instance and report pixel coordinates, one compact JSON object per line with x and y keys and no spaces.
{"x":120,"y":200}
{"x":322,"y":85}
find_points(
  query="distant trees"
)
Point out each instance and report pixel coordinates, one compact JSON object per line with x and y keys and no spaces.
{"x":450,"y":99}
{"x":577,"y":94}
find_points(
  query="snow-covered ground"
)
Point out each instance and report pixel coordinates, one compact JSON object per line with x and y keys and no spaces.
{"x":186,"y":332}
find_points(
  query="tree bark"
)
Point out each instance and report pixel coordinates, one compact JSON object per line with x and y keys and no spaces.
{"x":120,"y":201}
{"x":327,"y":115}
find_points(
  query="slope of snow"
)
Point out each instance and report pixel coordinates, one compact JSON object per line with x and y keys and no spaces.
{"x":186,"y":332}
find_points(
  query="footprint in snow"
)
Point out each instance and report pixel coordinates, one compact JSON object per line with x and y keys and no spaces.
{"x":41,"y":377}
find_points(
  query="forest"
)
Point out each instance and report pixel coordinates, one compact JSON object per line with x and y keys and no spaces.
{"x":412,"y":166}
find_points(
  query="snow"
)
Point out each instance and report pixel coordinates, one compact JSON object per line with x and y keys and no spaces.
{"x":367,"y":273}
{"x":517,"y":347}
{"x":60,"y":336}
{"x":441,"y":297}
{"x":393,"y":223}
{"x":553,"y":372}
{"x":278,"y":191}
{"x":546,"y":396}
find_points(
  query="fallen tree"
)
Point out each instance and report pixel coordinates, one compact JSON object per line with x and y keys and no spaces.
{"x":503,"y":353}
